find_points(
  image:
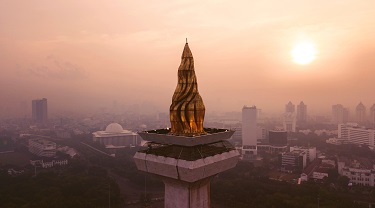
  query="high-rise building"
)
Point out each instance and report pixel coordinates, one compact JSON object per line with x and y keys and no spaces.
{"x":339,"y":114}
{"x":249,"y":132}
{"x":372,"y":115}
{"x":289,"y":122}
{"x":290,"y":107}
{"x":39,"y":110}
{"x":301,"y":112}
{"x":186,"y":156}
{"x":360,"y":113}
{"x":262,"y":134}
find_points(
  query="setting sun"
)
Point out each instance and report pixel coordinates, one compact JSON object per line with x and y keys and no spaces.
{"x":303,"y":53}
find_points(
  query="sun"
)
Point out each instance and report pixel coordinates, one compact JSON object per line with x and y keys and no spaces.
{"x":303,"y":53}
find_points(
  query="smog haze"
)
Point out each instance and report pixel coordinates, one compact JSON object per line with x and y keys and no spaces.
{"x":85,"y":55}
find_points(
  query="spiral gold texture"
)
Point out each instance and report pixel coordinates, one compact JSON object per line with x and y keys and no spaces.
{"x":187,"y":108}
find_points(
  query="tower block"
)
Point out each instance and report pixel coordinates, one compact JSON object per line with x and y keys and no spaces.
{"x":187,"y":155}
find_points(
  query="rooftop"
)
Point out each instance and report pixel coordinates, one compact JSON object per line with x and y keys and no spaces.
{"x":43,"y":142}
{"x":313,"y":165}
{"x":357,"y":162}
{"x":251,"y":107}
{"x":113,"y":129}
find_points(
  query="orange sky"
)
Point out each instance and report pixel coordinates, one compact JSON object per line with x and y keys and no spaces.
{"x":86,"y":54}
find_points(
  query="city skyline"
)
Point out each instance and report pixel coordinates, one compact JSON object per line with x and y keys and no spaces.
{"x":99,"y":107}
{"x":97,"y":55}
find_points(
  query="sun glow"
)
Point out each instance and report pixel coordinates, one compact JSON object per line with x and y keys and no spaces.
{"x":303,"y":53}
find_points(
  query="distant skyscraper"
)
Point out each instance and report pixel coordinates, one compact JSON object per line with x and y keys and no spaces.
{"x":249,"y":132}
{"x":39,"y":110}
{"x":261,"y":133}
{"x":360,"y":113}
{"x":339,"y":114}
{"x":289,"y":122}
{"x":301,"y":112}
{"x":290,"y":108}
{"x":372,"y":114}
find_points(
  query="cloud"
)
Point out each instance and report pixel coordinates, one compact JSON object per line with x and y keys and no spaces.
{"x":56,"y":68}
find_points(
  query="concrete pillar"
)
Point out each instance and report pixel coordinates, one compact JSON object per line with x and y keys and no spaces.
{"x":187,"y":195}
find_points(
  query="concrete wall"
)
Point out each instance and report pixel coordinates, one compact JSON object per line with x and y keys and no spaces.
{"x":187,"y":195}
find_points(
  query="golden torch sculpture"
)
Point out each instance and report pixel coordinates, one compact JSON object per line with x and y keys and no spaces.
{"x":187,"y":108}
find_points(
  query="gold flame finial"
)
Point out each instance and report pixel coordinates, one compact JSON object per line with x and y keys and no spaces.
{"x":187,"y":109}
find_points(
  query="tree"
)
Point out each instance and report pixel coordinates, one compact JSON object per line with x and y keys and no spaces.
{"x":343,"y":181}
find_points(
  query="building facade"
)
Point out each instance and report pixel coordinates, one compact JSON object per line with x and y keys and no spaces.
{"x":249,"y":132}
{"x":372,"y":116}
{"x":262,"y":134}
{"x":278,"y":137}
{"x":310,"y":152}
{"x":360,"y":113}
{"x":49,"y":162}
{"x":290,"y":107}
{"x":292,"y":162}
{"x":339,"y":114}
{"x":39,"y":110}
{"x":301,"y":112}
{"x":272,"y":149}
{"x":355,"y":134}
{"x":289,"y":122}
{"x":360,"y":172}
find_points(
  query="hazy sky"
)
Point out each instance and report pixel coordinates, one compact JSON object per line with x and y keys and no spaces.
{"x":86,"y":54}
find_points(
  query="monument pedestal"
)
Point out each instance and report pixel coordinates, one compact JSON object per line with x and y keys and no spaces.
{"x":187,"y":170}
{"x":187,"y":195}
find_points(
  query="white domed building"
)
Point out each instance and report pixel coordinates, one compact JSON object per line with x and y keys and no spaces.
{"x":115,"y":136}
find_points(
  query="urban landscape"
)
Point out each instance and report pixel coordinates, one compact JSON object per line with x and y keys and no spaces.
{"x":331,"y":158}
{"x":91,"y":115}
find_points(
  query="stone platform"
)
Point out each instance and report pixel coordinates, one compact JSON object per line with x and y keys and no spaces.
{"x":162,"y":136}
{"x":186,"y":164}
{"x":184,"y":170}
